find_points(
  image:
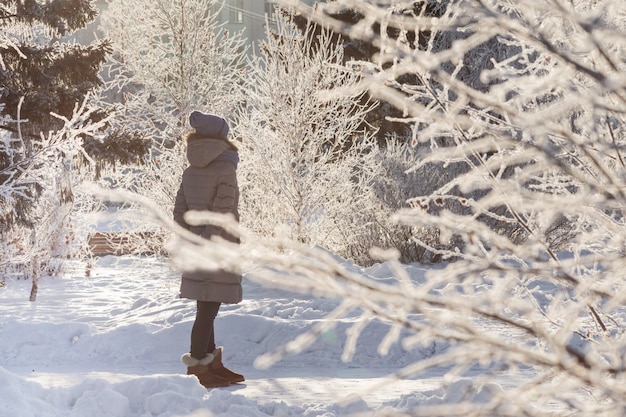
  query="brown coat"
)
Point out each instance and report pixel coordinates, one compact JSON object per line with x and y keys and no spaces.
{"x":209,"y":183}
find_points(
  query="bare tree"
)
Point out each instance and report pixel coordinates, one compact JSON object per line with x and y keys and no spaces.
{"x":308,"y":163}
{"x":171,"y":57}
{"x":47,"y":163}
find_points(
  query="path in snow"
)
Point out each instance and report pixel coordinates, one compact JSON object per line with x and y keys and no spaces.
{"x":120,"y":331}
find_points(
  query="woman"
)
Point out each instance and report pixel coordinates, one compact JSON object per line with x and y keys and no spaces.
{"x":209,"y":183}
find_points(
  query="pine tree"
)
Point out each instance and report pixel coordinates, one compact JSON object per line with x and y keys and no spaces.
{"x":48,"y":75}
{"x":42,"y":74}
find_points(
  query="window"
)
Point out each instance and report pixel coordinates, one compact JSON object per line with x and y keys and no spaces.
{"x":269,"y":10}
{"x":214,"y":11}
{"x":236,"y":11}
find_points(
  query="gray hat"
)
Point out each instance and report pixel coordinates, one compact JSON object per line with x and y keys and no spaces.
{"x":209,"y":125}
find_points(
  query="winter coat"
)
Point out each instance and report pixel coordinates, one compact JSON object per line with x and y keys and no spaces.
{"x":209,"y":183}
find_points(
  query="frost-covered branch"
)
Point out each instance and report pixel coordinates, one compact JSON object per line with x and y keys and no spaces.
{"x":513,"y":180}
{"x":483,"y":325}
{"x":521,"y":106}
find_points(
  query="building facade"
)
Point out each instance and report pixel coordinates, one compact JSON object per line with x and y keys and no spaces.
{"x":251,"y":16}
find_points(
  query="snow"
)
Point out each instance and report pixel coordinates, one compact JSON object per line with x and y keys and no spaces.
{"x":105,"y":340}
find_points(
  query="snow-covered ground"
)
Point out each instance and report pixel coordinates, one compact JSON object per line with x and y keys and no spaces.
{"x":105,"y":340}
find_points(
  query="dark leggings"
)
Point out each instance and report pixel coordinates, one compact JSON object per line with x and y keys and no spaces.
{"x":202,"y":334}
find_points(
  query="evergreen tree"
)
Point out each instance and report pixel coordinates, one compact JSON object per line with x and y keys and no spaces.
{"x":50,"y":76}
{"x":41,"y":74}
{"x":49,"y":130}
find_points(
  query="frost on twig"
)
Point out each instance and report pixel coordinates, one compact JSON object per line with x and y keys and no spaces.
{"x":518,"y":109}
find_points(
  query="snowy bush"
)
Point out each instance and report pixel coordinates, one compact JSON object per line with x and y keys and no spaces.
{"x":397,"y":183}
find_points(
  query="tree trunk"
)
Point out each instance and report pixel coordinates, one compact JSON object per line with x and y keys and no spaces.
{"x":35,"y":267}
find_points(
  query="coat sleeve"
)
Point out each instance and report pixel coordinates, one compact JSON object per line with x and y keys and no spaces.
{"x":225,"y":201}
{"x":180,"y":207}
{"x":226,"y":194}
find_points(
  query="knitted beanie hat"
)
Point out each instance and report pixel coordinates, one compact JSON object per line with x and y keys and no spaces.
{"x":209,"y":125}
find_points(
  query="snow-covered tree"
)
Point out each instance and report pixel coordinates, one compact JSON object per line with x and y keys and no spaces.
{"x":41,"y":76}
{"x":171,"y":57}
{"x":307,"y":163}
{"x":48,"y":164}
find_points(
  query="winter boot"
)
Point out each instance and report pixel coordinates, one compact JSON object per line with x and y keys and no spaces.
{"x":200,"y":368}
{"x":217,"y":367}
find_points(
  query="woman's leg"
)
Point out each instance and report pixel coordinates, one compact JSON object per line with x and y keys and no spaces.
{"x":202,"y":334}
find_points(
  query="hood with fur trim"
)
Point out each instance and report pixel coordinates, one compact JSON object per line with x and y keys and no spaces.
{"x":201,"y":152}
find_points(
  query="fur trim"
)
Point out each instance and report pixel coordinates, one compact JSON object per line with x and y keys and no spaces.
{"x":192,"y":136}
{"x":189,"y":360}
